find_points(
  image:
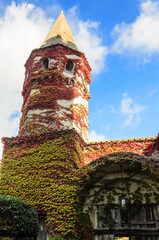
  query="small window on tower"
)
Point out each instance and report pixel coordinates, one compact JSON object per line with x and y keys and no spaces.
{"x":69,"y":65}
{"x":45,"y":63}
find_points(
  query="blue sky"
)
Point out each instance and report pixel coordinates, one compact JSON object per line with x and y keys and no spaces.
{"x":121,"y":41}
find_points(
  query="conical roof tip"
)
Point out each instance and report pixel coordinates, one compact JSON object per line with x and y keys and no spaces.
{"x":60,"y":32}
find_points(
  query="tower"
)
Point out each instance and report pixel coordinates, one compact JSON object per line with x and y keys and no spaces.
{"x":42,"y":164}
{"x":56,"y":87}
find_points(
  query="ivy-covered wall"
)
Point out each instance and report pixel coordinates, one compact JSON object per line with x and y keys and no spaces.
{"x":45,"y":170}
{"x":146,"y":146}
{"x":48,"y":171}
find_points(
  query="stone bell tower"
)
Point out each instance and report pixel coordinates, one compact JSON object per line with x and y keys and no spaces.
{"x":56,"y":87}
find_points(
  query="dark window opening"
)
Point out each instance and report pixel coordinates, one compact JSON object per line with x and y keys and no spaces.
{"x":143,"y":216}
{"x":69,"y":65}
{"x":45,"y":63}
{"x":73,"y":82}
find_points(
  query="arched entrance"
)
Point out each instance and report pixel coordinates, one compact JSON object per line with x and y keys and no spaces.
{"x":124,"y":198}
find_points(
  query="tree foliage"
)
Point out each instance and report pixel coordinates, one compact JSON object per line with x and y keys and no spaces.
{"x":17,"y":217}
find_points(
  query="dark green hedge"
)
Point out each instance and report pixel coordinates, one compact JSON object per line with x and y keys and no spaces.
{"x":17,"y":217}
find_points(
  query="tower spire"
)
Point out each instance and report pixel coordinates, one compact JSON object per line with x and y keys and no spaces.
{"x":60,"y":33}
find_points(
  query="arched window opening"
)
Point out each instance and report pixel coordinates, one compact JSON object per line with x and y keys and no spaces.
{"x":69,"y":65}
{"x":45,"y":63}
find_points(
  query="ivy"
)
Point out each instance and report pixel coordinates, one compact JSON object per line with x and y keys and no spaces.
{"x":47,"y":171}
{"x":50,"y":169}
{"x":55,"y":237}
{"x":145,"y":146}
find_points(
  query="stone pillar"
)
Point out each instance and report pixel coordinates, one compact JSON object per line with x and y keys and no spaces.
{"x":42,"y":230}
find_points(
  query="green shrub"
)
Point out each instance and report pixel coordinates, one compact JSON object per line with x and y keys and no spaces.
{"x":17,"y":217}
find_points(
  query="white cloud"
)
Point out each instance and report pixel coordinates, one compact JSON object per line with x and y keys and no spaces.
{"x":131,"y":110}
{"x":140,"y":37}
{"x":88,"y":41}
{"x":94,"y":137}
{"x":23,"y":28}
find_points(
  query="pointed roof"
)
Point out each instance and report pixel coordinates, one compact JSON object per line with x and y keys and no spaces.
{"x":60,"y":33}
